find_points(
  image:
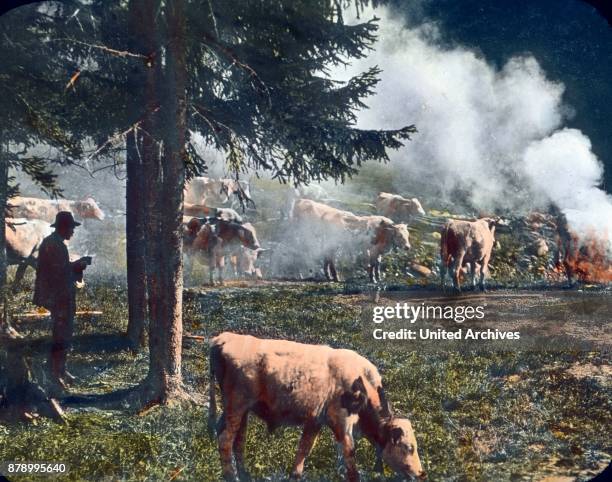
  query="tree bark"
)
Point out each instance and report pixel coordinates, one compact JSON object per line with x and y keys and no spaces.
{"x":135,"y":249}
{"x":4,"y":168}
{"x":163,"y":151}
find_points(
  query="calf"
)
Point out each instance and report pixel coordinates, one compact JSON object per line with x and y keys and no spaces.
{"x":465,"y":242}
{"x":288,"y":383}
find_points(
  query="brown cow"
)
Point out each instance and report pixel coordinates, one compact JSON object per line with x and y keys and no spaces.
{"x":465,"y":242}
{"x":23,"y":238}
{"x":373,"y":234}
{"x":397,"y":207}
{"x":288,"y":383}
{"x":201,"y":211}
{"x":46,"y":209}
{"x":208,"y":191}
{"x":214,"y":238}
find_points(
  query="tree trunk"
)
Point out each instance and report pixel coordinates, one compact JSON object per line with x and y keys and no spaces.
{"x":4,"y":168}
{"x":135,"y":249}
{"x":164,"y":154}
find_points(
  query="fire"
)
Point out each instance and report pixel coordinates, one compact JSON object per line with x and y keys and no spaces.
{"x":588,"y":258}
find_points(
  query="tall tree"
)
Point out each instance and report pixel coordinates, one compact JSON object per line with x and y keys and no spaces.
{"x":251,"y":76}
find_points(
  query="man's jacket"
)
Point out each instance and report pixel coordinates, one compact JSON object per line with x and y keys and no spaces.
{"x":55,"y":275}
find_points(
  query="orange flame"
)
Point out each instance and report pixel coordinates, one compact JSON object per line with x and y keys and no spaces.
{"x":588,"y":258}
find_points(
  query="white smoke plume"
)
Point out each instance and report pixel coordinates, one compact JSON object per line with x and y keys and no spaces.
{"x":488,"y":137}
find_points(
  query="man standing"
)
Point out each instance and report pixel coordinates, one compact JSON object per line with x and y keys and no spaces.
{"x":55,"y":290}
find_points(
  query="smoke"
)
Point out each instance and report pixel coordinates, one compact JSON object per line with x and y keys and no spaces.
{"x":489,"y":138}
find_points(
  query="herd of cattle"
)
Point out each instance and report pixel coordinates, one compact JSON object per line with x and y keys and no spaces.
{"x":215,"y":232}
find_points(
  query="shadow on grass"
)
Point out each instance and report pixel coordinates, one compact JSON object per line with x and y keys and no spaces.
{"x":113,"y":400}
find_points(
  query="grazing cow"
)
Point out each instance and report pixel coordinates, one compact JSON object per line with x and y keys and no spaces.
{"x":288,"y":383}
{"x":23,"y":238}
{"x":375,"y":235}
{"x":208,"y":191}
{"x":46,"y":209}
{"x":398,"y":208}
{"x":214,"y":238}
{"x":200,"y":211}
{"x":465,"y":242}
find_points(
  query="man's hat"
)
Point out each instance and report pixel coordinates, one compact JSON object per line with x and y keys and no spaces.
{"x":64,"y":218}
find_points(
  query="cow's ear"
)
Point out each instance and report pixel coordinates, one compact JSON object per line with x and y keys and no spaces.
{"x":384,"y":403}
{"x":394,"y":435}
{"x":356,"y":399}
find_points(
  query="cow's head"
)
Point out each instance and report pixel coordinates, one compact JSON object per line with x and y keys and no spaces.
{"x":227,"y":187}
{"x":493,"y":223}
{"x":415,"y":207}
{"x":400,"y":236}
{"x":88,"y":208}
{"x":248,"y":238}
{"x":400,"y":448}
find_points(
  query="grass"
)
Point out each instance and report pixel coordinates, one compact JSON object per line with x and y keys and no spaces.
{"x":478,"y":416}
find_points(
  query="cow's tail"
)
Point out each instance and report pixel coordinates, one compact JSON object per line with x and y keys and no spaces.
{"x":215,"y":366}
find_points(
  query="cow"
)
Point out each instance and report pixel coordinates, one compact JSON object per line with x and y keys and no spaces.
{"x":201,"y":211}
{"x":214,"y":238}
{"x":23,"y":238}
{"x":465,"y":242}
{"x":375,"y":235}
{"x":397,"y":207}
{"x":313,"y":192}
{"x":244,"y":260}
{"x":46,"y":209}
{"x":288,"y":383}
{"x":207,"y":191}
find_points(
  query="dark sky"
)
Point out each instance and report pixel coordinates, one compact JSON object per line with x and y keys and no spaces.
{"x":570,"y":40}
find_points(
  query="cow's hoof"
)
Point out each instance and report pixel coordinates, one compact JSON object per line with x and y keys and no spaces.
{"x":295,"y":476}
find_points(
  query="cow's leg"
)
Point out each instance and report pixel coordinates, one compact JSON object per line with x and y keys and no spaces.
{"x":239,"y":443}
{"x":227,"y":434}
{"x":211,"y":269}
{"x":377,"y":262}
{"x":19,"y":274}
{"x":309,"y":436}
{"x":378,"y":465}
{"x":473,"y":273}
{"x":484,"y":271}
{"x":326,"y":270}
{"x":332,"y":270}
{"x":457,"y":270}
{"x":220,"y":267}
{"x":343,"y":432}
